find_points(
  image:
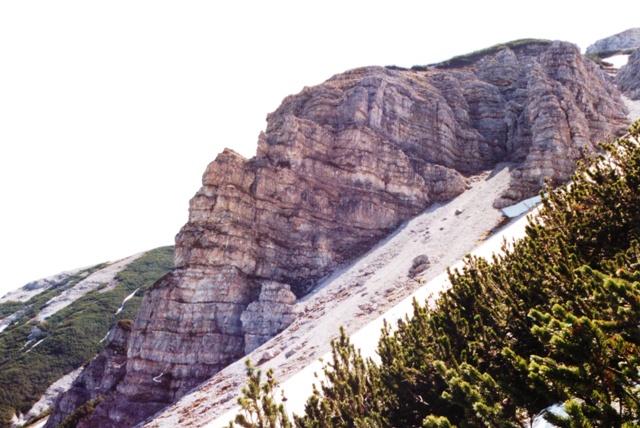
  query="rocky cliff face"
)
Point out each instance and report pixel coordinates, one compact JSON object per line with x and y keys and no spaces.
{"x":97,"y":380}
{"x":339,"y":167}
{"x":628,"y":78}
{"x":629,"y":39}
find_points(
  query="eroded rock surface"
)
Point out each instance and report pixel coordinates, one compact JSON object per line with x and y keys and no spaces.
{"x":271,"y":314}
{"x":629,"y":39}
{"x":628,"y":78}
{"x":99,"y":378}
{"x":339,"y":167}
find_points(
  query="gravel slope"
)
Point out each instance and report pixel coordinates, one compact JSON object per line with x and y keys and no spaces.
{"x":358,"y":297}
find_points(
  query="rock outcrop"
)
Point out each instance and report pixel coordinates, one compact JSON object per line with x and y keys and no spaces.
{"x":100,"y":377}
{"x":625,"y":41}
{"x":628,"y":78}
{"x":272,"y":313}
{"x":340,"y":166}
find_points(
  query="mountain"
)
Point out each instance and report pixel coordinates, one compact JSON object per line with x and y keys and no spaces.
{"x":207,"y":405}
{"x":340,"y":166}
{"x":51,"y":327}
{"x":546,"y":330}
{"x":377,"y":285}
{"x":624,"y":42}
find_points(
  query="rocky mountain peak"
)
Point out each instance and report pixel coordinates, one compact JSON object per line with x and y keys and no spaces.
{"x":340,"y":166}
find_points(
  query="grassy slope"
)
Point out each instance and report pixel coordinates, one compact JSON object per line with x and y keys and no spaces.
{"x":467,"y":59}
{"x":71,"y":336}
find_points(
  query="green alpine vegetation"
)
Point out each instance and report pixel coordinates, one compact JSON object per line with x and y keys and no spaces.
{"x":259,"y":401}
{"x":72,"y":336}
{"x":470,"y":58}
{"x":610,"y":53}
{"x":553,"y":320}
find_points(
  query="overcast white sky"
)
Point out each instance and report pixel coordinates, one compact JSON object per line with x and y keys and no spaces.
{"x":110,"y":111}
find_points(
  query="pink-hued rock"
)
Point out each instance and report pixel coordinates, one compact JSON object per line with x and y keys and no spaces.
{"x":272,"y":313}
{"x":340,"y":166}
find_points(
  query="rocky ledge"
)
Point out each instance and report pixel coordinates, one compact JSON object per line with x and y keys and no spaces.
{"x":339,"y":167}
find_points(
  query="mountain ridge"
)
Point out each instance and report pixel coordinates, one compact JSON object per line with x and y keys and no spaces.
{"x":359,"y":116}
{"x":339,"y":167}
{"x":624,"y":42}
{"x":60,"y":323}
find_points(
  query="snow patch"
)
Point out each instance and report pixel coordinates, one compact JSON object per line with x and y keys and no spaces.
{"x":540,"y":422}
{"x":36,"y":344}
{"x":521,"y":207}
{"x":49,"y":397}
{"x":6,"y":322}
{"x":125,"y":301}
{"x":617,"y":60}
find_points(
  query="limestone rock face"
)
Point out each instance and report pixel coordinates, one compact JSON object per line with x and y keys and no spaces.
{"x":340,"y":166}
{"x":629,"y":39}
{"x":272,"y":313}
{"x":628,"y":78}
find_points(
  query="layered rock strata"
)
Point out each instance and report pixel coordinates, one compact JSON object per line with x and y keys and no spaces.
{"x":271,"y":314}
{"x":628,"y":78}
{"x":339,"y":167}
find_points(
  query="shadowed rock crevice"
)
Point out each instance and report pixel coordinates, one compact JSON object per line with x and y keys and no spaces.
{"x":340,"y":166}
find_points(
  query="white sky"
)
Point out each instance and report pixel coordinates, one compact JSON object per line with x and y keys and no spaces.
{"x":110,"y":111}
